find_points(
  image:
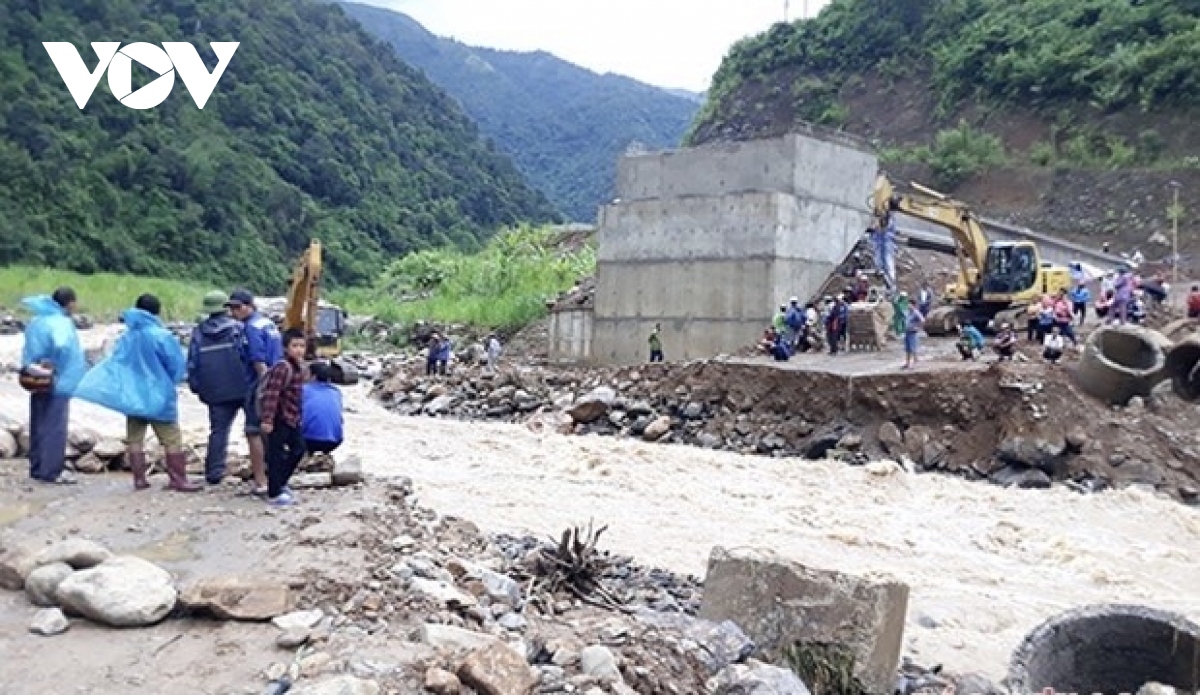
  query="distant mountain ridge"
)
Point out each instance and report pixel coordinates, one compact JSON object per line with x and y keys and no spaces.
{"x":563,"y":125}
{"x":315,"y":130}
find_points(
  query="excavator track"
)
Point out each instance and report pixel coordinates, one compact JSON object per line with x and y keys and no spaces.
{"x":941,"y":321}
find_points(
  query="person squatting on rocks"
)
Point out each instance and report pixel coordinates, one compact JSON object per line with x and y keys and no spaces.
{"x":217,"y":368}
{"x":970,"y":342}
{"x":1053,"y":346}
{"x":321,"y":412}
{"x":264,"y":349}
{"x":52,"y":343}
{"x":655,"y":341}
{"x":138,"y":379}
{"x":281,"y":411}
{"x":1005,"y":344}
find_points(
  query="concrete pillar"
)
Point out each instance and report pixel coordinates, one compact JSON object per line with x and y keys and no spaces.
{"x":709,"y":241}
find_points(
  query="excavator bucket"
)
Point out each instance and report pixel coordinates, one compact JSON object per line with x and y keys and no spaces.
{"x":868,"y":324}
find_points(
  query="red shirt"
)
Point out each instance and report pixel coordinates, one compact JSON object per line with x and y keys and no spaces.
{"x":283,"y":393}
{"x":1193,"y":304}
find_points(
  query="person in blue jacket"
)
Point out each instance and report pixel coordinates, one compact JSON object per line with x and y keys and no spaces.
{"x":1081,"y":296}
{"x":138,"y":379}
{"x":264,"y":348}
{"x":322,"y":412}
{"x":52,"y":341}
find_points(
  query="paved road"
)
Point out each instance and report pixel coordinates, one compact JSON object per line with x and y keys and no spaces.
{"x":937,"y":354}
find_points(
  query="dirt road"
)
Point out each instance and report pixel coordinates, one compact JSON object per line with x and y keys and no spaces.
{"x":985,"y":564}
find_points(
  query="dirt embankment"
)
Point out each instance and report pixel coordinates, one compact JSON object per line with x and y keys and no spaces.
{"x":1025,"y":423}
{"x":1088,"y":204}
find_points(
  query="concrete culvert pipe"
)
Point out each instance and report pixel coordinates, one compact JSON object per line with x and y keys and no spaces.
{"x":1123,"y":362}
{"x":1183,"y":368}
{"x":1108,"y":649}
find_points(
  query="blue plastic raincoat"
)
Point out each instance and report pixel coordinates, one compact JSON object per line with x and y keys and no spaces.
{"x":51,"y":337}
{"x":139,"y":378}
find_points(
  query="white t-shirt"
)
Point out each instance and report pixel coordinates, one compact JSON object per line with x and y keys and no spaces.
{"x":1054,"y":342}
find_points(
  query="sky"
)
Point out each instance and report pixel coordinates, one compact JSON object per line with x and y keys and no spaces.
{"x":677,"y":44}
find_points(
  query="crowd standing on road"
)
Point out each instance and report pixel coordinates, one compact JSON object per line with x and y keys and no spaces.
{"x":236,"y":360}
{"x":1051,"y":322}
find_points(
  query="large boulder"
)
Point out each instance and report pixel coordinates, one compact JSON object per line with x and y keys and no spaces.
{"x":593,"y":406}
{"x":124,"y":591}
{"x":41,"y":585}
{"x":79,"y":553}
{"x":792,"y":612}
{"x":238,"y":598}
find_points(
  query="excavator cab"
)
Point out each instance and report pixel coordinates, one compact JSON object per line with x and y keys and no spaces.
{"x":1010,"y":268}
{"x":331,"y":326}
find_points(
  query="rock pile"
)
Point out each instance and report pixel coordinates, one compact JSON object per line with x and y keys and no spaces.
{"x":1009,"y":425}
{"x":78,"y":577}
{"x":466,"y":612}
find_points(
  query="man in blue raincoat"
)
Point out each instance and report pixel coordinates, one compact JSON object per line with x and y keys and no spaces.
{"x":51,"y":341}
{"x":139,"y":381}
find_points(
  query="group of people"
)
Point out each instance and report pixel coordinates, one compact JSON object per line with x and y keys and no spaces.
{"x":811,"y":328}
{"x":439,"y":351}
{"x":971,"y":343}
{"x":236,"y":361}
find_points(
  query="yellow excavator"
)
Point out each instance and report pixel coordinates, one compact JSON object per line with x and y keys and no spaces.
{"x":997,"y":280}
{"x":324,"y":324}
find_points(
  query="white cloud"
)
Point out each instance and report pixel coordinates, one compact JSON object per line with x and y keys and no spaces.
{"x":670,"y":43}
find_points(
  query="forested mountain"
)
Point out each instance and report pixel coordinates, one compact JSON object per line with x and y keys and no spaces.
{"x":315,"y":130}
{"x":565,"y":126}
{"x":1074,"y":116}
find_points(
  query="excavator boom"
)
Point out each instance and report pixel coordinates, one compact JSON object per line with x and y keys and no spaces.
{"x":303,"y":312}
{"x":970,"y":241}
{"x":304,"y":294}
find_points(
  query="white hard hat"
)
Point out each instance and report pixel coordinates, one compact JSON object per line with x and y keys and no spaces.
{"x":794,"y":300}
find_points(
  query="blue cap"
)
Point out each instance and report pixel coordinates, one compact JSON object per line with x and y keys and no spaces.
{"x":240,"y":297}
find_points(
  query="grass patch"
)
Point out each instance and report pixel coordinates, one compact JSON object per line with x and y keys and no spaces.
{"x":504,"y":286}
{"x":101,"y":295}
{"x":826,"y":669}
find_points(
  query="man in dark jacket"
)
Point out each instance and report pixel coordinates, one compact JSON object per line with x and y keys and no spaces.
{"x":217,"y":364}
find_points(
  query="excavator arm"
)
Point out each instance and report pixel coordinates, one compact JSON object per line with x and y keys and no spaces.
{"x":304,"y":294}
{"x":303,"y":309}
{"x":970,"y":241}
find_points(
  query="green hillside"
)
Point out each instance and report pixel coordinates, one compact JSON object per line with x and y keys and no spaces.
{"x":315,"y":129}
{"x":1065,"y":58}
{"x":564,"y":126}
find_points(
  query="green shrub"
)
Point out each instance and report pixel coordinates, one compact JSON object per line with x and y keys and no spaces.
{"x":959,"y":153}
{"x":504,"y":286}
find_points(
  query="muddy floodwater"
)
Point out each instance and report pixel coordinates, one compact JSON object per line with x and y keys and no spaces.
{"x":985,"y":564}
